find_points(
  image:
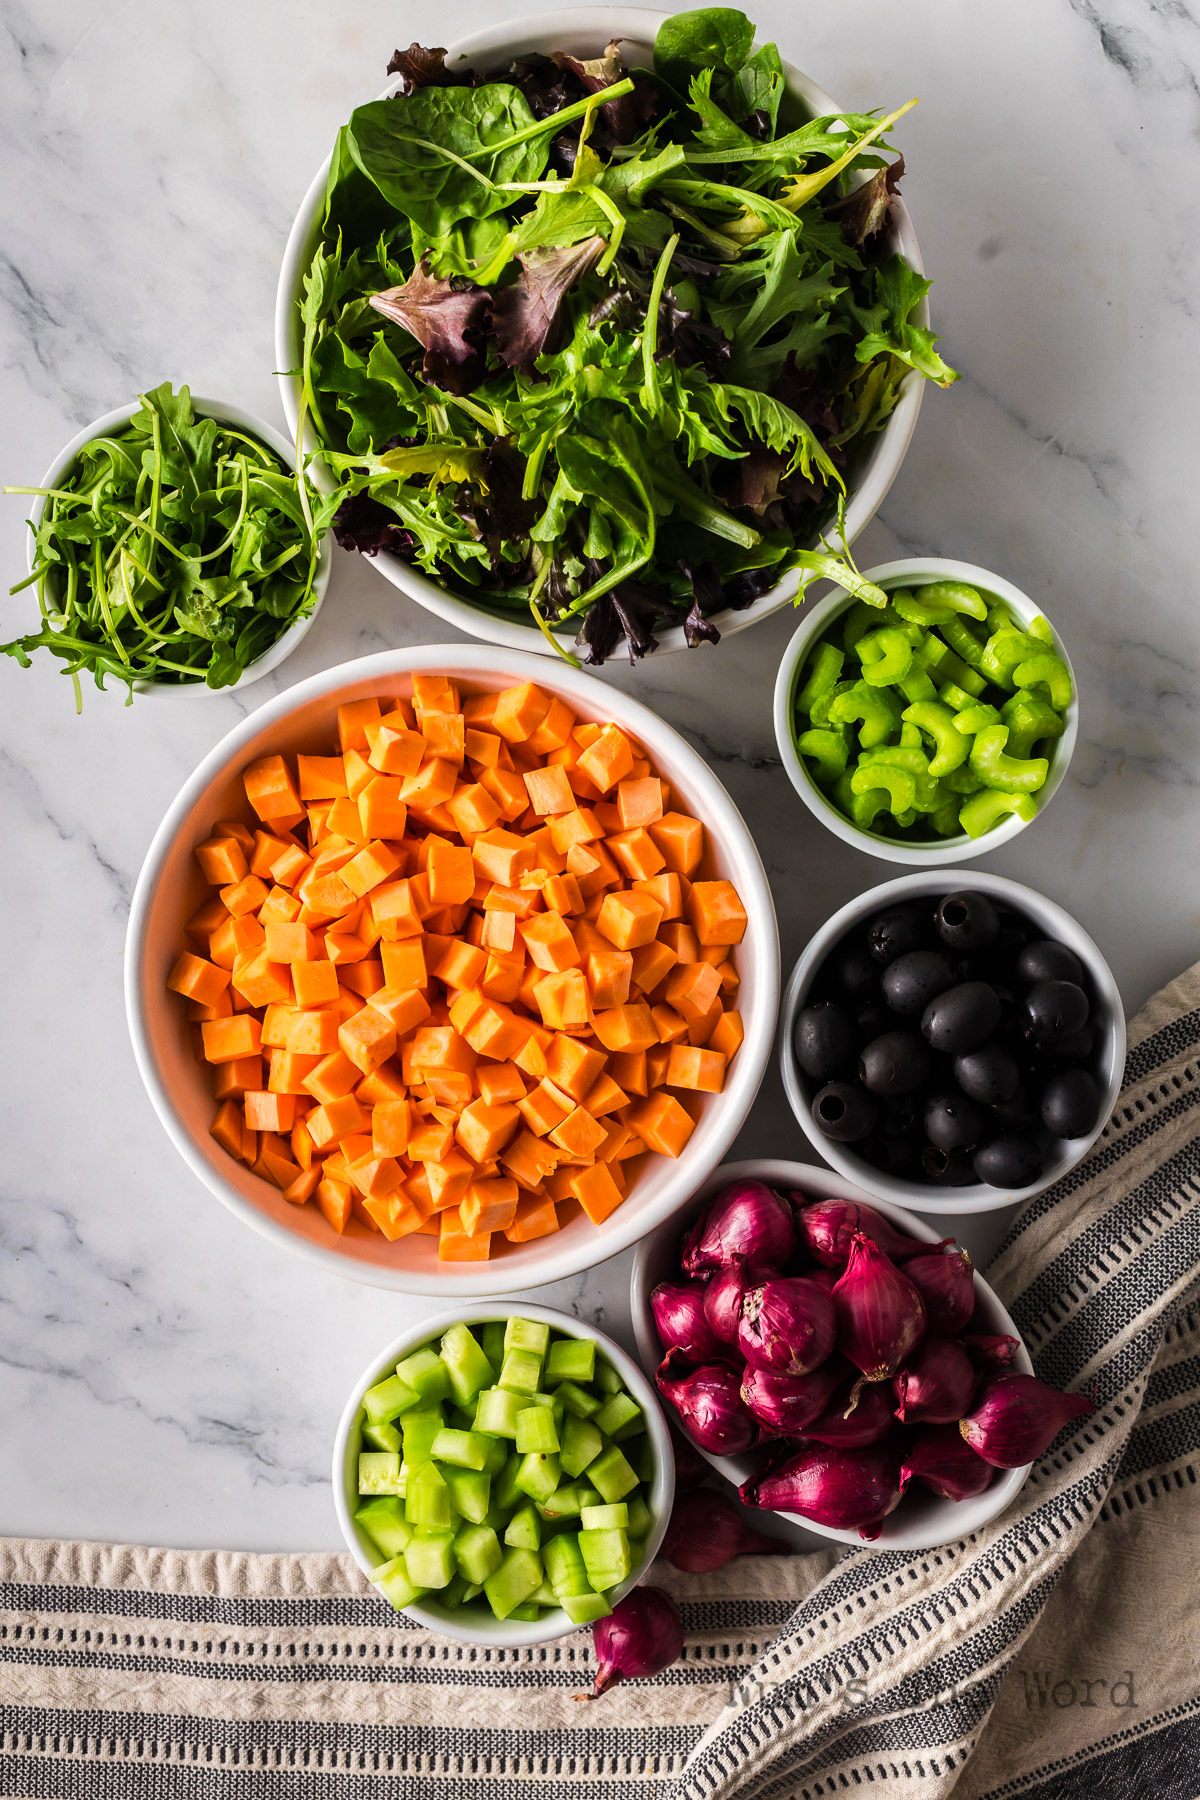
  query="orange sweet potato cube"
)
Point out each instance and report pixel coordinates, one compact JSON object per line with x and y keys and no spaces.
{"x":693,"y":989}
{"x":536,"y":1216}
{"x":290,"y":943}
{"x":652,"y":963}
{"x":381,"y":1085}
{"x":628,"y":1027}
{"x":578,"y":827}
{"x":554,"y":730}
{"x":368,"y":1039}
{"x":333,"y":1198}
{"x":545,"y":1107}
{"x":431,"y":785}
{"x":549,"y":943}
{"x":573,"y":1066}
{"x":629,"y":919}
{"x":270,"y":1112}
{"x":529,"y":1159}
{"x":227,"y":1040}
{"x":449,"y":1179}
{"x":450,"y":872}
{"x":393,"y":1213}
{"x":578,"y":1134}
{"x":362,"y":978}
{"x":639,"y":801}
{"x":305,"y":1185}
{"x":444,"y":734}
{"x":394,"y":748}
{"x":690,"y":1067}
{"x":681,"y":840}
{"x":500,"y":1083}
{"x":502,"y":856}
{"x":681,"y":940}
{"x":209,"y":918}
{"x":455,"y":1243}
{"x":201,"y":981}
{"x":404,"y":963}
{"x":228,"y":1128}
{"x":244,"y":896}
{"x":727,"y":1035}
{"x":353,"y":717}
{"x":231,"y":1079}
{"x":434,"y":693}
{"x":270,"y":788}
{"x":562,"y":999}
{"x":489,"y":1205}
{"x":473,"y":809}
{"x":391,"y":1122}
{"x":335,"y":1120}
{"x":311,"y":1033}
{"x":662,"y":1123}
{"x":321,"y":777}
{"x":562,"y":895}
{"x":596,"y":1190}
{"x":549,"y":791}
{"x":628,"y":1070}
{"x":287,"y":1072}
{"x":608,"y":759}
{"x":499,"y":930}
{"x":716,"y":911}
{"x":671,"y":1026}
{"x":374,"y":863}
{"x":637,"y":855}
{"x":381,"y":811}
{"x":609,"y":974}
{"x":519,"y":711}
{"x":222,"y":861}
{"x":484,"y":1130}
{"x":441,"y":1047}
{"x":403,"y":1008}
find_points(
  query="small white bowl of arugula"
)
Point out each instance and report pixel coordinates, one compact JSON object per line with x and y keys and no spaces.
{"x":174,"y":549}
{"x":604,"y":323}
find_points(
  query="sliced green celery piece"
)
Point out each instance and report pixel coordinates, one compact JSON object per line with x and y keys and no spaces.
{"x":381,"y":1437}
{"x":470,"y":1491}
{"x":524,"y":1529}
{"x":466,"y":1449}
{"x":521,"y":1372}
{"x":605,"y":1557}
{"x":568,"y":1501}
{"x":427,"y":1499}
{"x":545,"y":1596}
{"x":527,"y":1334}
{"x":606,"y":1378}
{"x":429,"y":1558}
{"x":611,"y":1475}
{"x":571,"y":1359}
{"x":605,"y":1518}
{"x":498,"y":1411}
{"x":536,"y":1430}
{"x":468,"y":1368}
{"x":552,"y":1403}
{"x":581,"y":1444}
{"x":585,"y":1609}
{"x":539,"y":1475}
{"x":384,"y":1523}
{"x":576,"y":1400}
{"x":379,"y":1472}
{"x":426,"y":1374}
{"x":393,"y":1578}
{"x":387,"y":1400}
{"x":477,"y":1552}
{"x":518,"y":1576}
{"x":618,"y":1411}
{"x":420,"y":1428}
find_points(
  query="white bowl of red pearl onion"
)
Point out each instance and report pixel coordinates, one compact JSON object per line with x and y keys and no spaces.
{"x":836,"y":1360}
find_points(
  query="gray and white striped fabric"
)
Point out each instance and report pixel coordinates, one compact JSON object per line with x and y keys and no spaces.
{"x":1057,"y":1649}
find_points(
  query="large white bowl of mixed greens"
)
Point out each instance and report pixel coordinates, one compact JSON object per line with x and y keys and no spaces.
{"x":607,"y":329}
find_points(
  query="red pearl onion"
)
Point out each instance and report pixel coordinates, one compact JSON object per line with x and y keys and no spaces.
{"x":946,"y":1283}
{"x":991,"y":1352}
{"x":746,"y":1219}
{"x":642,"y":1636}
{"x":709,"y":1403}
{"x":827,"y":1226}
{"x":785,"y":1404}
{"x":880,"y":1314}
{"x":787,"y":1326}
{"x":839,"y":1488}
{"x":724,"y":1291}
{"x":707,"y":1531}
{"x":1017,"y":1417}
{"x":935,"y":1385}
{"x":849,"y":1426}
{"x":678,"y":1308}
{"x":946,"y":1464}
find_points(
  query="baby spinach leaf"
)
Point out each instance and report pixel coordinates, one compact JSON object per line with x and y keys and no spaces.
{"x":442,"y":155}
{"x":714,"y":37}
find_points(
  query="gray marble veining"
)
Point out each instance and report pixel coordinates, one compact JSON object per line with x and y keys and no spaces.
{"x":164,"y":1376}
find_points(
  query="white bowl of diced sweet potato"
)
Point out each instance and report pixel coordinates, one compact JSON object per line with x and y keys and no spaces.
{"x":452,"y":973}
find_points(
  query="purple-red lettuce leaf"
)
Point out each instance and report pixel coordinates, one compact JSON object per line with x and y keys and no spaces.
{"x":864,"y":211}
{"x":364,"y":524}
{"x":421,"y":67}
{"x":626,"y":118}
{"x":525,"y":316}
{"x":707,"y":597}
{"x":448,"y":319}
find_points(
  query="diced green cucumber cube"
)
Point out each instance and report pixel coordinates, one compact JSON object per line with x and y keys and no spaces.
{"x":528,"y":1609}
{"x":419,"y":1428}
{"x":383,"y":1521}
{"x":568,"y":1501}
{"x":564,"y":1564}
{"x":522,"y":1372}
{"x":429,"y":1558}
{"x":467,"y":1366}
{"x":605,"y":1518}
{"x":393,"y":1578}
{"x":470,"y":1491}
{"x":477,"y":1552}
{"x":570,"y":1359}
{"x":581,"y":1444}
{"x":605,"y":1557}
{"x":454,"y":1593}
{"x":519,"y":1576}
{"x":641,"y":1519}
{"x":524,"y":1529}
{"x":427,"y":1500}
{"x":505,"y":1491}
{"x":545,"y":1596}
{"x":498,"y":1411}
{"x":472,"y":1589}
{"x":527,"y":1334}
{"x":611,"y":1475}
{"x":492,"y":1338}
{"x":381,"y":1437}
{"x":606,"y":1378}
{"x":551,"y":1402}
{"x":379,"y":1472}
{"x":539,"y":1474}
{"x":618,"y":1411}
{"x":426,"y":1374}
{"x":585,"y":1609}
{"x":387,"y":1400}
{"x":498,"y":1454}
{"x":578,"y":1401}
{"x":466,"y":1449}
{"x":536,"y":1429}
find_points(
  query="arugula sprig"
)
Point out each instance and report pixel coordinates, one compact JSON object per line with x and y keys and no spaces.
{"x":604,"y":345}
{"x":177,"y":550}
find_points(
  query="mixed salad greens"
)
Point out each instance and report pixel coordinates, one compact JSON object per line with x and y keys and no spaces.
{"x":603,"y":344}
{"x":176,"y":550}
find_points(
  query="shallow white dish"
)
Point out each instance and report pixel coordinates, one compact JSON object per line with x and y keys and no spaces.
{"x":923,"y":1519}
{"x":1109,"y":1017}
{"x":915,"y":572}
{"x":584,"y":31}
{"x":170,"y":888}
{"x":510,"y":1633}
{"x":241,"y":420}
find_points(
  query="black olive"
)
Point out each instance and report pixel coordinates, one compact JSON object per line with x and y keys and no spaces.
{"x":826,"y":1041}
{"x":895,"y":932}
{"x":952,"y":1121}
{"x":961,"y":1017}
{"x":967,"y":921}
{"x":1070,"y":1103}
{"x":948,"y":1168}
{"x":1017,"y":1112}
{"x":989,"y":1073}
{"x":1011,"y":1161}
{"x":895,"y":1063}
{"x":1008,"y":1005}
{"x":1045,"y":960}
{"x":898,"y":1115}
{"x":893,"y":1155}
{"x":913,"y":980}
{"x":1074,"y":1049}
{"x":1053,"y":1010}
{"x":854,"y":974}
{"x":874,"y":1018}
{"x":845,"y":1113}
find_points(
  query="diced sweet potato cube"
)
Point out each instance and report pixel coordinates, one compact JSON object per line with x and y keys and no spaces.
{"x":244,"y":896}
{"x":716,"y":911}
{"x":502,"y":856}
{"x":629,"y":920}
{"x":373,"y":865}
{"x":727,"y":1035}
{"x":375,"y":1176}
{"x":231,"y":1079}
{"x":305,"y":1185}
{"x":671,"y":1026}
{"x":573,"y":1066}
{"x":353,"y":717}
{"x":431,"y":785}
{"x":657,"y":1058}
{"x":499,"y":930}
{"x":628,"y":1070}
{"x":489,"y":1205}
{"x":381,"y":811}
{"x":662,"y":1123}
{"x":473,"y":809}
{"x":311,"y":1033}
{"x":529,"y":1159}
{"x":270,"y":1112}
{"x":450,"y":872}
{"x":596,"y":1191}
{"x":228,"y":1128}
{"x":681,"y":840}
{"x":652,"y":963}
{"x":681,"y":940}
{"x":608,"y":759}
{"x":333,"y":1198}
{"x":275,"y":1021}
{"x":638,"y":856}
{"x":703,"y":1070}
{"x":390,"y":1125}
{"x":403,"y":1008}
{"x":288,"y":1070}
{"x":536,"y":1216}
{"x":627,"y":1027}
{"x":344,"y":946}
{"x":549,"y":943}
{"x":335,"y":1120}
{"x":209,"y":918}
{"x":562,"y":999}
{"x":484,"y":1130}
{"x":554,"y":730}
{"x":270,"y":788}
{"x":223,"y":861}
{"x":395,"y":910}
{"x":362,"y":978}
{"x":234,"y":828}
{"x":404,"y":964}
{"x":449,"y":1179}
{"x":593,"y":868}
{"x":201,"y":981}
{"x":519,"y":711}
{"x":226,"y":1040}
{"x":445,"y":735}
{"x":545,"y":1107}
{"x":549,"y":792}
{"x":561,"y":894}
{"x":503,"y":975}
{"x":455,"y":1243}
{"x":460,"y":965}
{"x":344,"y":820}
{"x":321,"y":777}
{"x":639,"y":802}
{"x":393,"y":1213}
{"x":700,"y":1030}
{"x":434,"y":693}
{"x":500,"y":1083}
{"x":441,"y":1047}
{"x":334,"y":1076}
{"x":382,"y":1085}
{"x":578,"y":827}
{"x":279,"y":908}
{"x":290,"y":943}
{"x":368,"y":1039}
{"x":579,"y":1134}
{"x":609,"y":974}
{"x":395,"y":749}
{"x":692,"y":989}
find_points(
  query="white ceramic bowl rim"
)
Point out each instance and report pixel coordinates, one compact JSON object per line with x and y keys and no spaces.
{"x":721,"y":817}
{"x":589,"y":28}
{"x":915,"y":570}
{"x":518,"y":1632}
{"x":962,"y":1516}
{"x":1057,"y":923}
{"x":227,"y":413}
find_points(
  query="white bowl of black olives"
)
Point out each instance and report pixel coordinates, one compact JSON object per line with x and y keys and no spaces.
{"x":952,"y":1043}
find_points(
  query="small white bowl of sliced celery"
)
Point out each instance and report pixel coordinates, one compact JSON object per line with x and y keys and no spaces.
{"x":503,"y":1478}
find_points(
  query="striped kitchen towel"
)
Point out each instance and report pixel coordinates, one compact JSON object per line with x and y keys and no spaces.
{"x":1057,"y":1649}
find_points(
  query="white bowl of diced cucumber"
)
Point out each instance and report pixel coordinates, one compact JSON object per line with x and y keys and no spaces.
{"x":1000,"y":810}
{"x":503,"y":1479}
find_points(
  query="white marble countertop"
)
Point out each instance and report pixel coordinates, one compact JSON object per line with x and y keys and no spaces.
{"x":167,"y":1377}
